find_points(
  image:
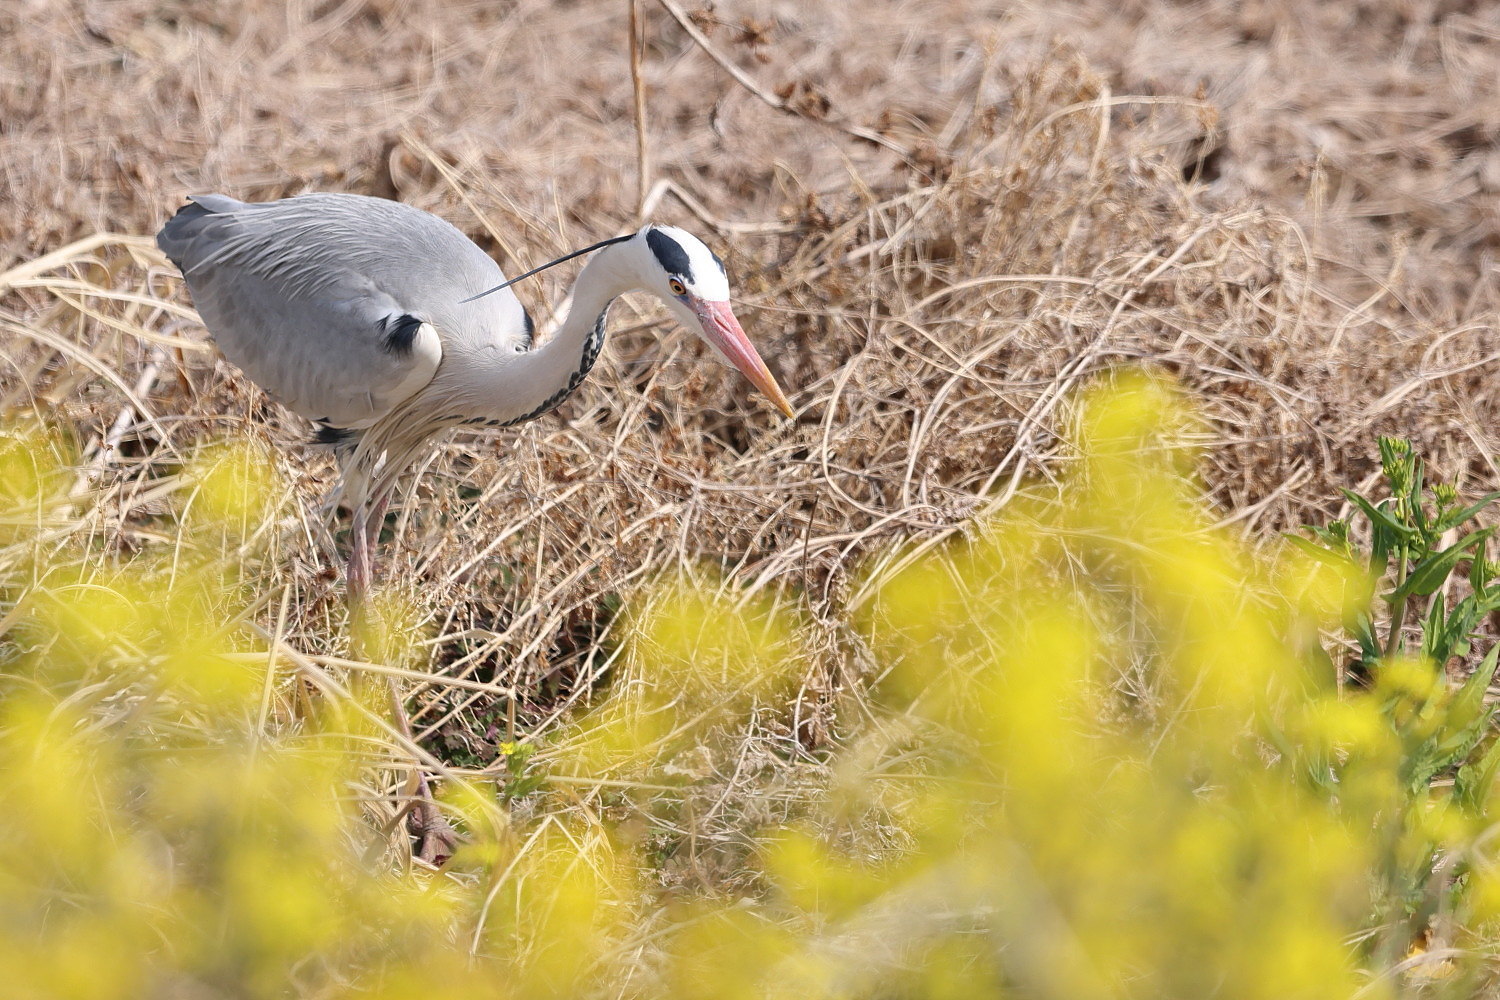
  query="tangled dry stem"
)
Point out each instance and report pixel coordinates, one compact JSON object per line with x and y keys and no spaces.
{"x":941,"y":219}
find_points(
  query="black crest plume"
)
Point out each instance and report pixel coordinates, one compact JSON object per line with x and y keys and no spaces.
{"x":550,"y":263}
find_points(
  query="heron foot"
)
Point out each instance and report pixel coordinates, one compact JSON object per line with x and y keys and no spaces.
{"x":436,"y":838}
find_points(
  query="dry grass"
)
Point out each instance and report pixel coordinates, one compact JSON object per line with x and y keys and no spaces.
{"x":940,"y":219}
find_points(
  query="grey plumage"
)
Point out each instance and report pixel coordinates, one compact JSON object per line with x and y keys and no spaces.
{"x":384,"y":324}
{"x":307,"y":296}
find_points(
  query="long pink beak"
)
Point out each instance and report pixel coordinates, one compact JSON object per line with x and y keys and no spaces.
{"x":723,"y":331}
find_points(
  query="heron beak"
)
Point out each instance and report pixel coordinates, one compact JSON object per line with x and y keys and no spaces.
{"x":723,"y":331}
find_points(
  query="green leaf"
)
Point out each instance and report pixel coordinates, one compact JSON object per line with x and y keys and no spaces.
{"x":1317,"y":551}
{"x":1476,"y":779}
{"x":522,"y":787}
{"x":1448,"y":635}
{"x":1414,"y":500}
{"x":1461,"y":623}
{"x":1468,"y":705}
{"x":1454,"y":517}
{"x":1421,"y":766}
{"x":1380,"y":552}
{"x":1465,"y":720}
{"x":1480,"y":570}
{"x":1379,"y":516}
{"x":1335,"y":538}
{"x":1429,"y":574}
{"x":1364,"y":634}
{"x":1434,"y":638}
{"x":1312,"y":765}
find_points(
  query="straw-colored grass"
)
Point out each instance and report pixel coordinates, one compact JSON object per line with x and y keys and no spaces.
{"x":939,"y":220}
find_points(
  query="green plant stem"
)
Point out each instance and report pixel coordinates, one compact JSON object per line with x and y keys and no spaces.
{"x":1398,"y":612}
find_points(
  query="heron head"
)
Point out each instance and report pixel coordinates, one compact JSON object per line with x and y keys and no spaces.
{"x":690,"y":279}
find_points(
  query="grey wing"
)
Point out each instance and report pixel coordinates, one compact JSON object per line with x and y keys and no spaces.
{"x":306,"y":322}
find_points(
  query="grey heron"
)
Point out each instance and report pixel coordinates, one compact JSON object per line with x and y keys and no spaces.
{"x":384,"y":325}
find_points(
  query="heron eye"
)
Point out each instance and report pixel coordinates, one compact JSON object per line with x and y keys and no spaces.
{"x":677,"y":287}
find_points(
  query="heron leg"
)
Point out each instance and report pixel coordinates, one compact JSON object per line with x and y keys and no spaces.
{"x":357,"y":576}
{"x":436,"y":838}
{"x":364,"y":534}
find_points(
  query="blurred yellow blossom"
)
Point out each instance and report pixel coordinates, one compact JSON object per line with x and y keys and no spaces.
{"x":1093,"y":748}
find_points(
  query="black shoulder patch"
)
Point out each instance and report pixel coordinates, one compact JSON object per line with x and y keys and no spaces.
{"x":530,"y":327}
{"x":329,"y":434}
{"x":669,"y":254}
{"x":400,"y":334}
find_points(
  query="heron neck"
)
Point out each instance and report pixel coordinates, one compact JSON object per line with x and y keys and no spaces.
{"x":551,"y":373}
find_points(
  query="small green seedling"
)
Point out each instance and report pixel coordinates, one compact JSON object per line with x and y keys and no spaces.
{"x":1408,"y":553}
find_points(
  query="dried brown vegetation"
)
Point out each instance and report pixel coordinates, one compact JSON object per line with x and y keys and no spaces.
{"x":940,"y":219}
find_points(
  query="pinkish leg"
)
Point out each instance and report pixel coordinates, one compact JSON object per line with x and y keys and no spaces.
{"x":364,"y":537}
{"x":357,"y":579}
{"x":436,"y":838}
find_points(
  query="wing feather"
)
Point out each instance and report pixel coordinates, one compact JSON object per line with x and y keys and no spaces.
{"x":337,"y":305}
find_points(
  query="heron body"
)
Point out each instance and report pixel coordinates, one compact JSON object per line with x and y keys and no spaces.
{"x":372,"y":319}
